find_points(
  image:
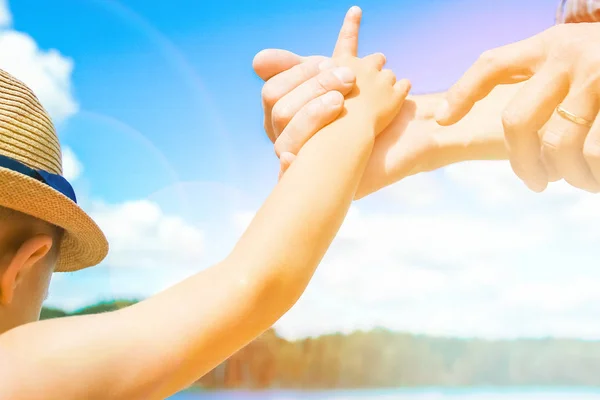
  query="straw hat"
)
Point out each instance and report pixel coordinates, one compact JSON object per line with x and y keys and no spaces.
{"x":31,"y":178}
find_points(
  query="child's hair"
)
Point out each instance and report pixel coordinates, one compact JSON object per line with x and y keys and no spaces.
{"x":25,"y":229}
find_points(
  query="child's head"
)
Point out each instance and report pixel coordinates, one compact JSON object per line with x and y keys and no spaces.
{"x":29,"y":249}
{"x":35,"y":200}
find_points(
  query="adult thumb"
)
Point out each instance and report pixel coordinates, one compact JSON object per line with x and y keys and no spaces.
{"x":270,"y":62}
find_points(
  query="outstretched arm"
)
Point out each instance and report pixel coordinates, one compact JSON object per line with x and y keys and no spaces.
{"x":159,"y":346}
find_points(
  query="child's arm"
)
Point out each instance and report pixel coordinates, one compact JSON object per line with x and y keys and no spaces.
{"x":160,"y":346}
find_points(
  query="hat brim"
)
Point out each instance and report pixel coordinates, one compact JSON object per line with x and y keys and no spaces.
{"x":84,"y":245}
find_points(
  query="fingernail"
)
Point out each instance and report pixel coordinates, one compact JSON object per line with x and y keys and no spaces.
{"x":326,"y":65}
{"x":354,"y":10}
{"x":332,"y":99}
{"x":344,"y":74}
{"x":442,"y":111}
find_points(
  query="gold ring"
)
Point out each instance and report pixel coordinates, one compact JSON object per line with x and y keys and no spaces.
{"x":573,"y":118}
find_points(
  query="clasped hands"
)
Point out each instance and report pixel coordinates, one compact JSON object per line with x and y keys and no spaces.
{"x":549,"y":126}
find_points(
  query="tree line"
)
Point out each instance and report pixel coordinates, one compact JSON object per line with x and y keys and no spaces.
{"x":382,"y":358}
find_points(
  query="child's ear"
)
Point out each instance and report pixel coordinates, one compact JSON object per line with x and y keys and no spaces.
{"x":24,"y":259}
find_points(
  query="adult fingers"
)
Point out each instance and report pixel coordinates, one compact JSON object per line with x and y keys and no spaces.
{"x":507,"y":64}
{"x":339,"y":79}
{"x":308,"y":121}
{"x":591,"y":149}
{"x":523,"y":118}
{"x":285,"y":160}
{"x":280,"y":85}
{"x":563,"y":139}
{"x":347,"y":43}
{"x":270,"y":62}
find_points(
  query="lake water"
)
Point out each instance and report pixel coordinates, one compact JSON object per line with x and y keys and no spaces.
{"x":401,"y":394}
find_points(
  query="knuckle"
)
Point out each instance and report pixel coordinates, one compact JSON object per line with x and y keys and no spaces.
{"x":307,"y":70}
{"x":270,"y":94}
{"x":488,"y":58}
{"x":556,"y":140}
{"x":513,"y":121}
{"x":284,"y":143}
{"x":324,"y":82}
{"x":460,"y":93}
{"x":590,"y":68}
{"x":280,"y":115}
{"x":279,"y":145}
{"x":562,"y":55}
{"x":314,"y":111}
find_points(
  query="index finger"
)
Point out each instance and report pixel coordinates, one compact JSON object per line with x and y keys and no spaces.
{"x":347,"y":43}
{"x":512,"y":63}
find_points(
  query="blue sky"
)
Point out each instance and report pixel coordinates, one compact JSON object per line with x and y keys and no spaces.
{"x":160,"y":114}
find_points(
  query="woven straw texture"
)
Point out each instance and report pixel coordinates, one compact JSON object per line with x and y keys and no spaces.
{"x":27,"y":135}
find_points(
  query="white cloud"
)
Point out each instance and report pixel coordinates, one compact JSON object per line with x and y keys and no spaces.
{"x":416,"y":190}
{"x":241,"y":220}
{"x":436,"y":237}
{"x":5,"y":14}
{"x":46,"y":72}
{"x":551,"y":297}
{"x":493,"y":183}
{"x":72,"y":167}
{"x":141,"y":235}
{"x":381,"y":263}
{"x":482,"y":257}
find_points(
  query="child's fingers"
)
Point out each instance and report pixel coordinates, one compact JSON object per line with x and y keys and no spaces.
{"x":388,"y":77}
{"x":401,"y":90}
{"x":378,"y":60}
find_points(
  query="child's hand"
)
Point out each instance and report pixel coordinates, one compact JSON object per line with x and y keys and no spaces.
{"x":373,"y":102}
{"x":376,"y":97}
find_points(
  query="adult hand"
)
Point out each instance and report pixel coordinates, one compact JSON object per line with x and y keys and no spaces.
{"x":551,"y":126}
{"x":293,"y":81}
{"x":305,"y":80}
